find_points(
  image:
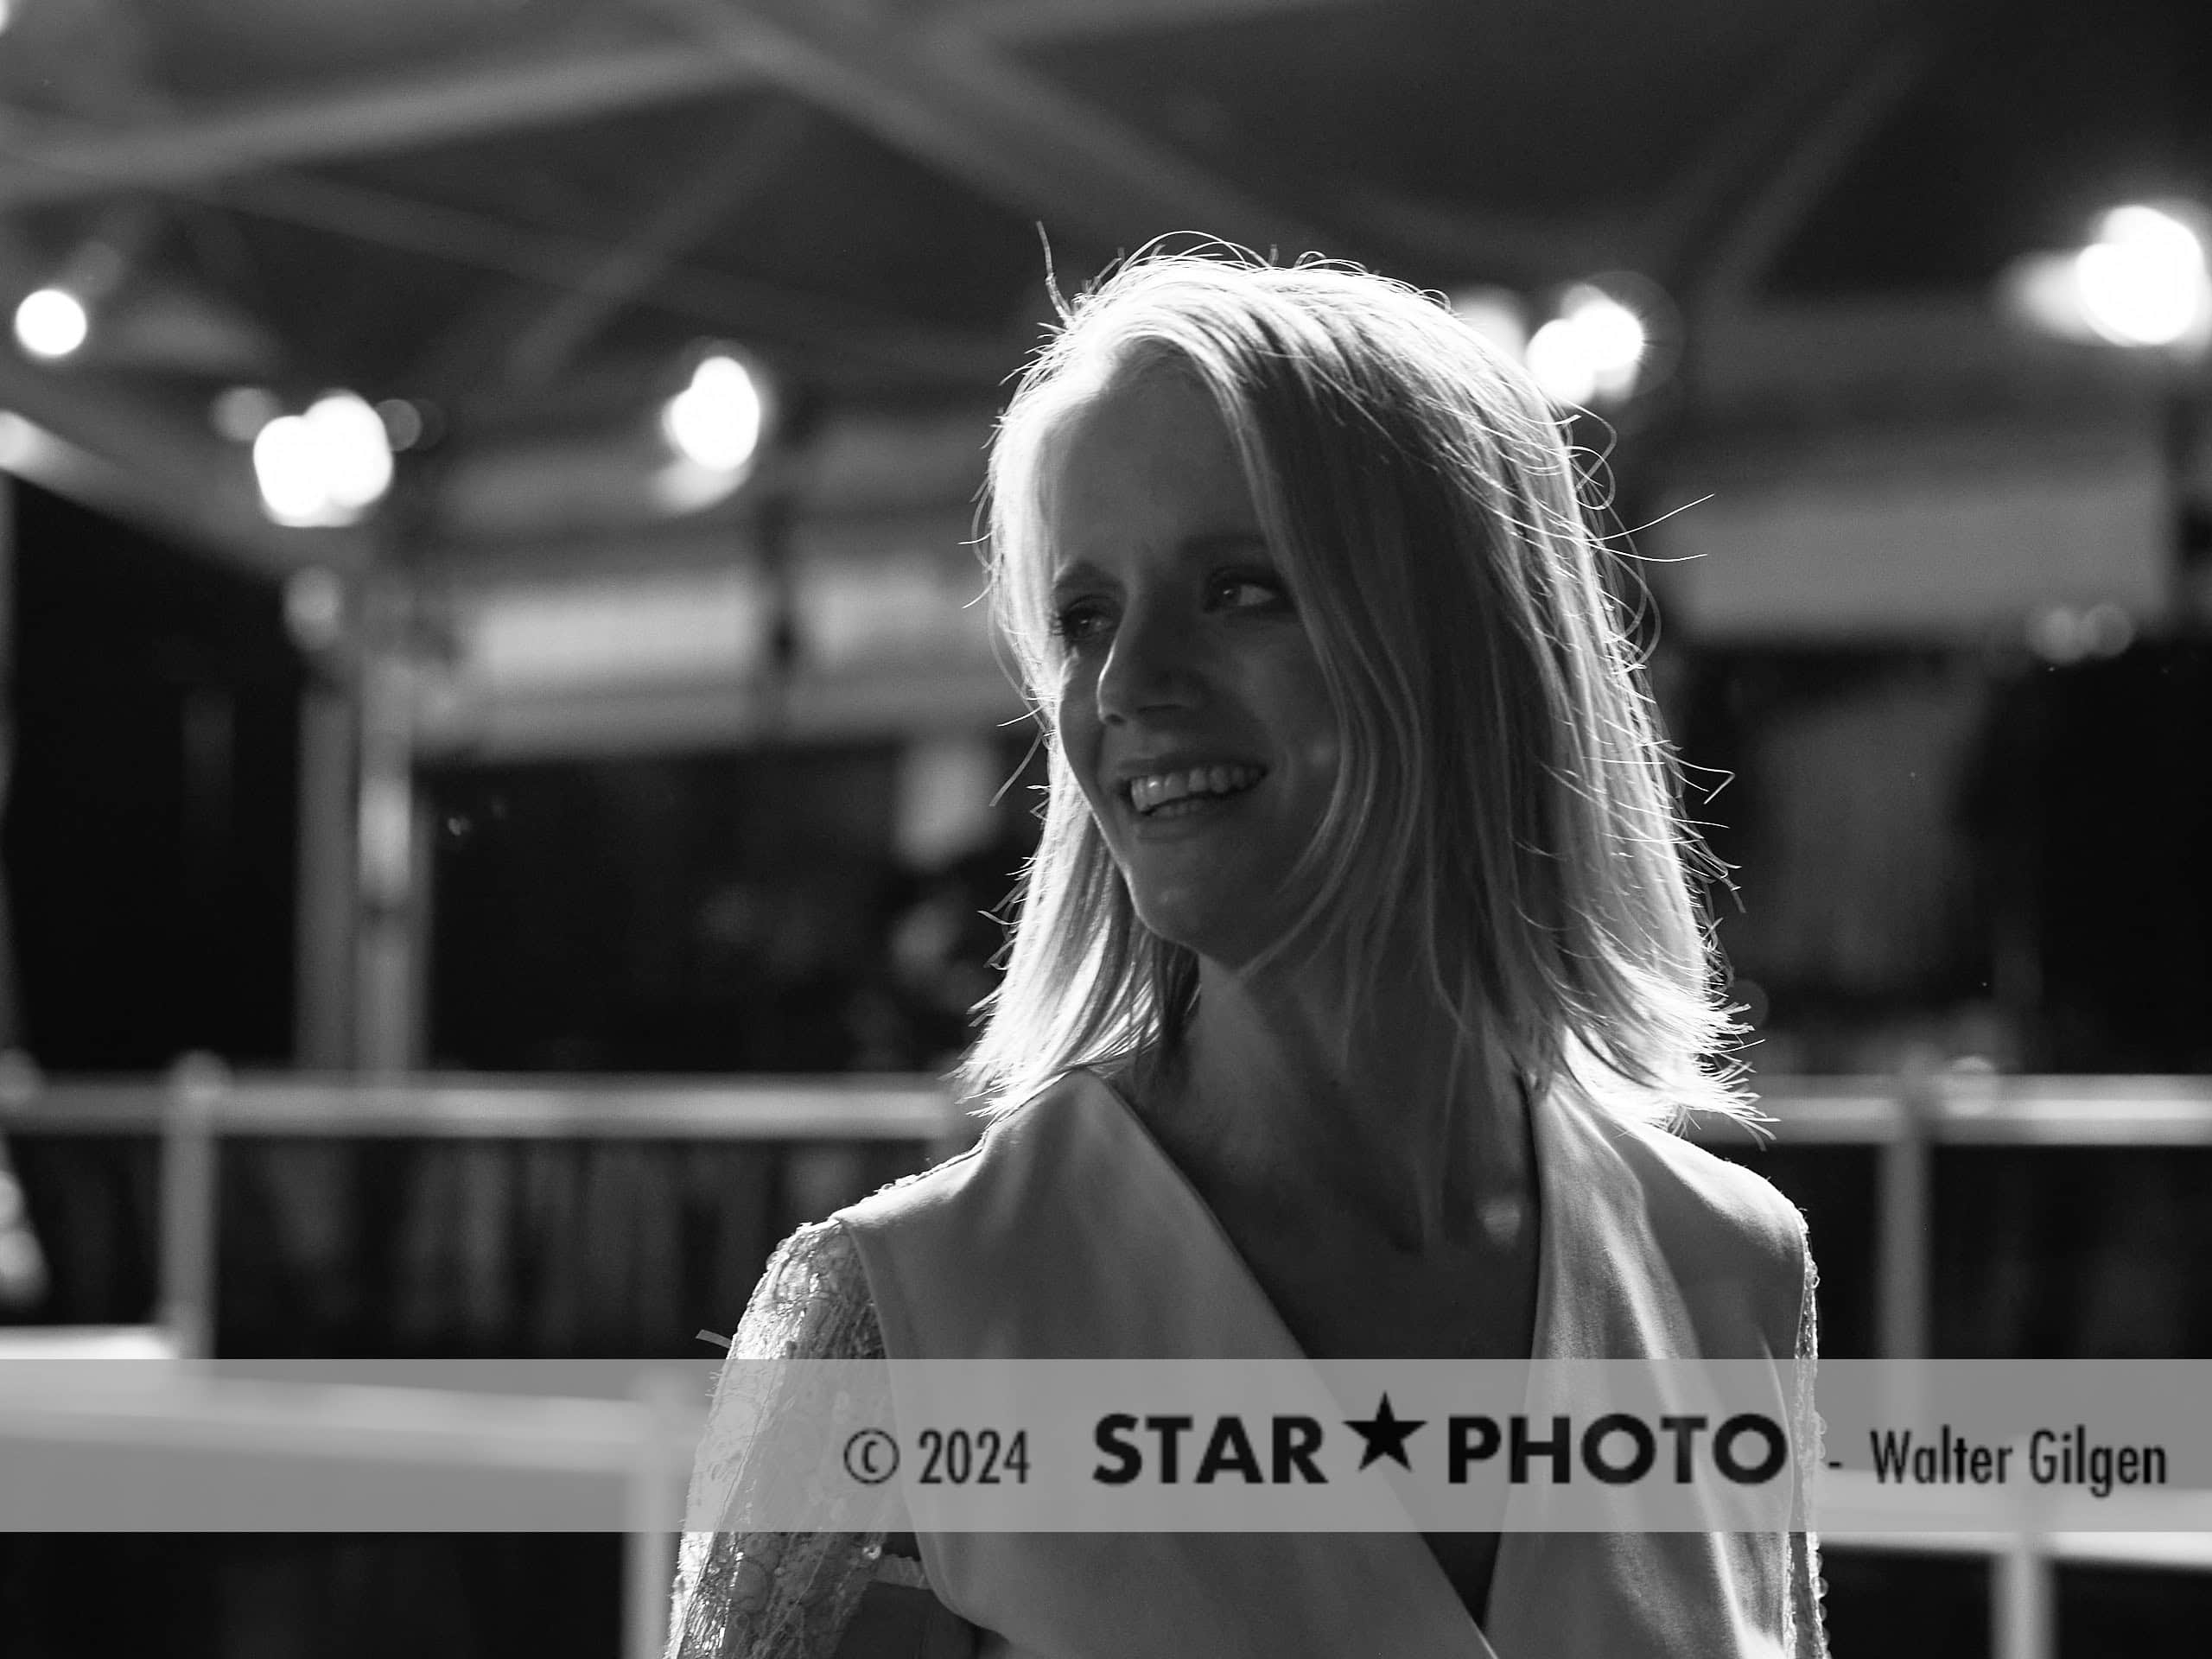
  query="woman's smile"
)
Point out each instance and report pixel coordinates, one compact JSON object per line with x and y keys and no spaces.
{"x":1164,"y":804}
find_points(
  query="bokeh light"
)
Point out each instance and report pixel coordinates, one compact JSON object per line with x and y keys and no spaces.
{"x":240,"y":412}
{"x":403,"y":424}
{"x":1560,"y":359}
{"x":1592,"y":351}
{"x":2143,"y":281}
{"x":315,"y":608}
{"x":326,"y":466}
{"x":715,"y":422}
{"x":52,"y":322}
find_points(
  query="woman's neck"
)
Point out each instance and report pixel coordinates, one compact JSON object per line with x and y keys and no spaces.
{"x":1266,"y":1103}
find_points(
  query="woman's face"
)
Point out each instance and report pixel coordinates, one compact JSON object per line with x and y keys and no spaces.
{"x":1190,"y":702}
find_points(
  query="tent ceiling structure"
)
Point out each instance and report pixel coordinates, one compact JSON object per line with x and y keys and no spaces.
{"x":523,"y":214}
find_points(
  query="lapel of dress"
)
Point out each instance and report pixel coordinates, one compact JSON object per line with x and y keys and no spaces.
{"x":1155,"y":1275}
{"x":1607,"y":1291}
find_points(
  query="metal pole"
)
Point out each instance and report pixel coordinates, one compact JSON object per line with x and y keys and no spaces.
{"x":2021,"y":1596}
{"x":388,"y":945}
{"x":656,"y":1497}
{"x":188,"y":1191}
{"x":322,"y":614}
{"x":1905,"y":1246}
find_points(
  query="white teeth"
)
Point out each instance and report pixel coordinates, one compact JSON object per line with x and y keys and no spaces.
{"x":1159,"y":788}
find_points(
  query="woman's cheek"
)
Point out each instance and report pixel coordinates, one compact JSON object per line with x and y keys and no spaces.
{"x":1321,"y":754}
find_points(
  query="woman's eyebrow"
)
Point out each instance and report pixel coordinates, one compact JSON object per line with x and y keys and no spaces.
{"x":1210,"y":544}
{"x":1076,"y":571}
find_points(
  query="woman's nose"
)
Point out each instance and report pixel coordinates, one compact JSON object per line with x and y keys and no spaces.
{"x":1152,"y":665}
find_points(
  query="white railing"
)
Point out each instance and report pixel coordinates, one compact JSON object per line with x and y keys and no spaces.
{"x":1902,"y":1120}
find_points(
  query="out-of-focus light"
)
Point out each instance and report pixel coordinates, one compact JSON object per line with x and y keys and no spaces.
{"x":2143,"y":281}
{"x":7,"y":14}
{"x":357,"y":454}
{"x":1560,"y":359}
{"x":289,"y":471}
{"x":315,"y":608}
{"x":1498,"y":314}
{"x":715,"y":421}
{"x":2042,"y":291}
{"x":1591,"y":350}
{"x":684,"y":485}
{"x":402,"y":422}
{"x":326,"y":467}
{"x":2063,"y":635}
{"x":51,"y":322}
{"x":240,"y":412}
{"x":1615,"y":334}
{"x":2107,"y":630}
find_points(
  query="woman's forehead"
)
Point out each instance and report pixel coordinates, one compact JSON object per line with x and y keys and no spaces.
{"x":1147,"y":462}
{"x":1114,"y":397}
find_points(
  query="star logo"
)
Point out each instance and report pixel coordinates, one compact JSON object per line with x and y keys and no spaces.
{"x":1385,"y":1434}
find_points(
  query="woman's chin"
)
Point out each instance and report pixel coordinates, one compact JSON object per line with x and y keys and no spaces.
{"x":1224,"y":940}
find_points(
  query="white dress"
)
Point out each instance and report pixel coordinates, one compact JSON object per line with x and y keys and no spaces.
{"x":1019,"y":1247}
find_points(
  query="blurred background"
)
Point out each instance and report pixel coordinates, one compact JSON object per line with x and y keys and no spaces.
{"x":505,"y":779}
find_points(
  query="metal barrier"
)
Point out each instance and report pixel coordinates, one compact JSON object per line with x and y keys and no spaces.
{"x":1901,"y":1119}
{"x":201,"y":1103}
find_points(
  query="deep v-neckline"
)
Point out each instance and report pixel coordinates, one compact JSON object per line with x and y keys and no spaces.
{"x":1542,"y":1326}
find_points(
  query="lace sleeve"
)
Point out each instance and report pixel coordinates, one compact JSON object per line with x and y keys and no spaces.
{"x":784,"y":1595}
{"x":1806,"y":1634}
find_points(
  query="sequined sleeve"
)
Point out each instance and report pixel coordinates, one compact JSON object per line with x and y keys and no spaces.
{"x":786,"y":1595}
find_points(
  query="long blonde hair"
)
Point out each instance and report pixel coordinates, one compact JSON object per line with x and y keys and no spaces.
{"x":1504,"y":804}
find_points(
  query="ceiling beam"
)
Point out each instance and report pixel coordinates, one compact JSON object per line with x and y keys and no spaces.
{"x":44,"y":159}
{"x":1519,"y":250}
{"x":710,"y":298}
{"x":1011,"y":23}
{"x":1796,"y":167}
{"x":958,"y":104}
{"x":549,"y":336}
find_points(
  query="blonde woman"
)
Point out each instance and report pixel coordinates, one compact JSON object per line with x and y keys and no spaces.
{"x":1357,"y":983}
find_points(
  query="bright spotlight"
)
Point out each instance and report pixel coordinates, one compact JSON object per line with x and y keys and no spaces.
{"x":290,"y":471}
{"x":1614,"y":336}
{"x":51,"y":322}
{"x":1560,"y":360}
{"x":715,"y":421}
{"x":2143,"y":282}
{"x":326,"y":467}
{"x":356,"y":451}
{"x":1592,"y":350}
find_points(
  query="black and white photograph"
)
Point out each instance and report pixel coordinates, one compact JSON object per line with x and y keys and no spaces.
{"x":1105,"y":829}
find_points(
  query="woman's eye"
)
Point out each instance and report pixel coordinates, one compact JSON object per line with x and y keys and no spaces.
{"x":1248,"y":593}
{"x":1078,"y":621}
